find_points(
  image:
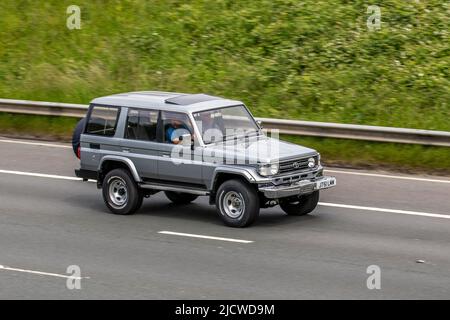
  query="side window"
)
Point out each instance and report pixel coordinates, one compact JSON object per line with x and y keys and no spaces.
{"x":103,"y":121}
{"x":175,"y":124}
{"x":141,"y":125}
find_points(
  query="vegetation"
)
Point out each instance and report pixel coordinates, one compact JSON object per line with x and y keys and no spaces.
{"x":41,"y":127}
{"x":310,"y":60}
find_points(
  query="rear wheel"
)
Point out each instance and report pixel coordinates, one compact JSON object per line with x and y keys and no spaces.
{"x":180,"y":197}
{"x":120,"y":192}
{"x":237,"y":203}
{"x":300,"y":205}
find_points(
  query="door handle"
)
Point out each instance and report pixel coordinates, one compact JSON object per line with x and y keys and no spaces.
{"x":94,"y":146}
{"x":126,"y":150}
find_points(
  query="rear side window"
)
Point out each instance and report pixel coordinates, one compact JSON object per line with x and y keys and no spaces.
{"x":103,"y":121}
{"x":141,"y":125}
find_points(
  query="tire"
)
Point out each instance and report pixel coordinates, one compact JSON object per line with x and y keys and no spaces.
{"x":180,"y":198}
{"x":301,"y":205}
{"x":140,"y":200}
{"x":245,"y":209}
{"x":76,"y":137}
{"x":128,"y":198}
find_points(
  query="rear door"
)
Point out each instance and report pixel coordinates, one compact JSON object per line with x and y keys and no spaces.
{"x":99,"y":137}
{"x":140,"y":141}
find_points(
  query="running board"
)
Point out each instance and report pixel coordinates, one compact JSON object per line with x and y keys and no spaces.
{"x":164,"y":187}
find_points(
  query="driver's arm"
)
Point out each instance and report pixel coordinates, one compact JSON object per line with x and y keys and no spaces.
{"x":169,"y":134}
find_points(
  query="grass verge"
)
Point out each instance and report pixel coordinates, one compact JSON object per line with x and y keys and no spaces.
{"x":310,"y":60}
{"x":41,"y":127}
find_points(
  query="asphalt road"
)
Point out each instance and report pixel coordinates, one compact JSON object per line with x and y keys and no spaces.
{"x":47,"y":223}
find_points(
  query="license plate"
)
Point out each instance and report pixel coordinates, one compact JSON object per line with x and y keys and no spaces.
{"x":326,"y":183}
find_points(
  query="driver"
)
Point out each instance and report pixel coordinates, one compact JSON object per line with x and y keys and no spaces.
{"x":176,"y":129}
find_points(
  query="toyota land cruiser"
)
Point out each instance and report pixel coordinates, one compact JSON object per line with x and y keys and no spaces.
{"x":188,"y":145}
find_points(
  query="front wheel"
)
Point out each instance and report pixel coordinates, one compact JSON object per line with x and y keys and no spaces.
{"x":301,"y":205}
{"x":180,"y":197}
{"x":120,"y":192}
{"x":237,"y":203}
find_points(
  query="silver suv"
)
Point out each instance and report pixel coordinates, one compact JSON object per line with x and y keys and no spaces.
{"x":188,"y":145}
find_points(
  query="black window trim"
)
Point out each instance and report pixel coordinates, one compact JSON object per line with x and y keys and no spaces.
{"x":162,"y":128}
{"x":89,"y":114}
{"x":158,"y":124}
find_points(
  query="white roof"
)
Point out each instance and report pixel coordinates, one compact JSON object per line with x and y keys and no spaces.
{"x":170,"y":101}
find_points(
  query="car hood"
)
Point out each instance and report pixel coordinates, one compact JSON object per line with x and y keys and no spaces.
{"x":260,"y":150}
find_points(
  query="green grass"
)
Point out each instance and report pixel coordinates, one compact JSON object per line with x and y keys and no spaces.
{"x":310,"y":60}
{"x":45,"y":127}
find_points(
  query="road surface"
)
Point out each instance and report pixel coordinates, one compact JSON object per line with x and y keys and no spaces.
{"x":49,"y":221}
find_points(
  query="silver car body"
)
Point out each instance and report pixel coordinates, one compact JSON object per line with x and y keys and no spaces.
{"x":153,"y":167}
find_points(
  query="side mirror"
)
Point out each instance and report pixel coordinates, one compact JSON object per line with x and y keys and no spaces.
{"x":186,"y":140}
{"x":259,"y":122}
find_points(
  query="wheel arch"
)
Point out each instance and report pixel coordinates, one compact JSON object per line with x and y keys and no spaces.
{"x":109,"y":163}
{"x":224,"y":174}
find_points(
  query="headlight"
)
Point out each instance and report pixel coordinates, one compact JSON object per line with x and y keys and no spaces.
{"x":268,"y":169}
{"x":311,"y":163}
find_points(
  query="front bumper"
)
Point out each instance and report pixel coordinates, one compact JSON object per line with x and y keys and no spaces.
{"x":298,"y":188}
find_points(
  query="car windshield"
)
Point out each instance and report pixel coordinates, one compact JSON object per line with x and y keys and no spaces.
{"x":225,"y":123}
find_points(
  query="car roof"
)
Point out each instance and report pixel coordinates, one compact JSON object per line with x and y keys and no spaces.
{"x":168,"y":101}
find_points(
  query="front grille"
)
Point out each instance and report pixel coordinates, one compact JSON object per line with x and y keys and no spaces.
{"x":302,"y":165}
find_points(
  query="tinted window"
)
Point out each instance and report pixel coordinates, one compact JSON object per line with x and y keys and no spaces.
{"x":103,"y":121}
{"x":141,"y":125}
{"x":175,"y":124}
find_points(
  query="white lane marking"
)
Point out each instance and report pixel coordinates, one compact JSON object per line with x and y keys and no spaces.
{"x":203,"y":237}
{"x":337,"y":205}
{"x":387,"y":176}
{"x":42,"y":175}
{"x":411,"y":213}
{"x":41,"y":273}
{"x":41,"y":144}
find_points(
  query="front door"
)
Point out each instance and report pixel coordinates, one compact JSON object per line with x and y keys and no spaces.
{"x":176,"y":162}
